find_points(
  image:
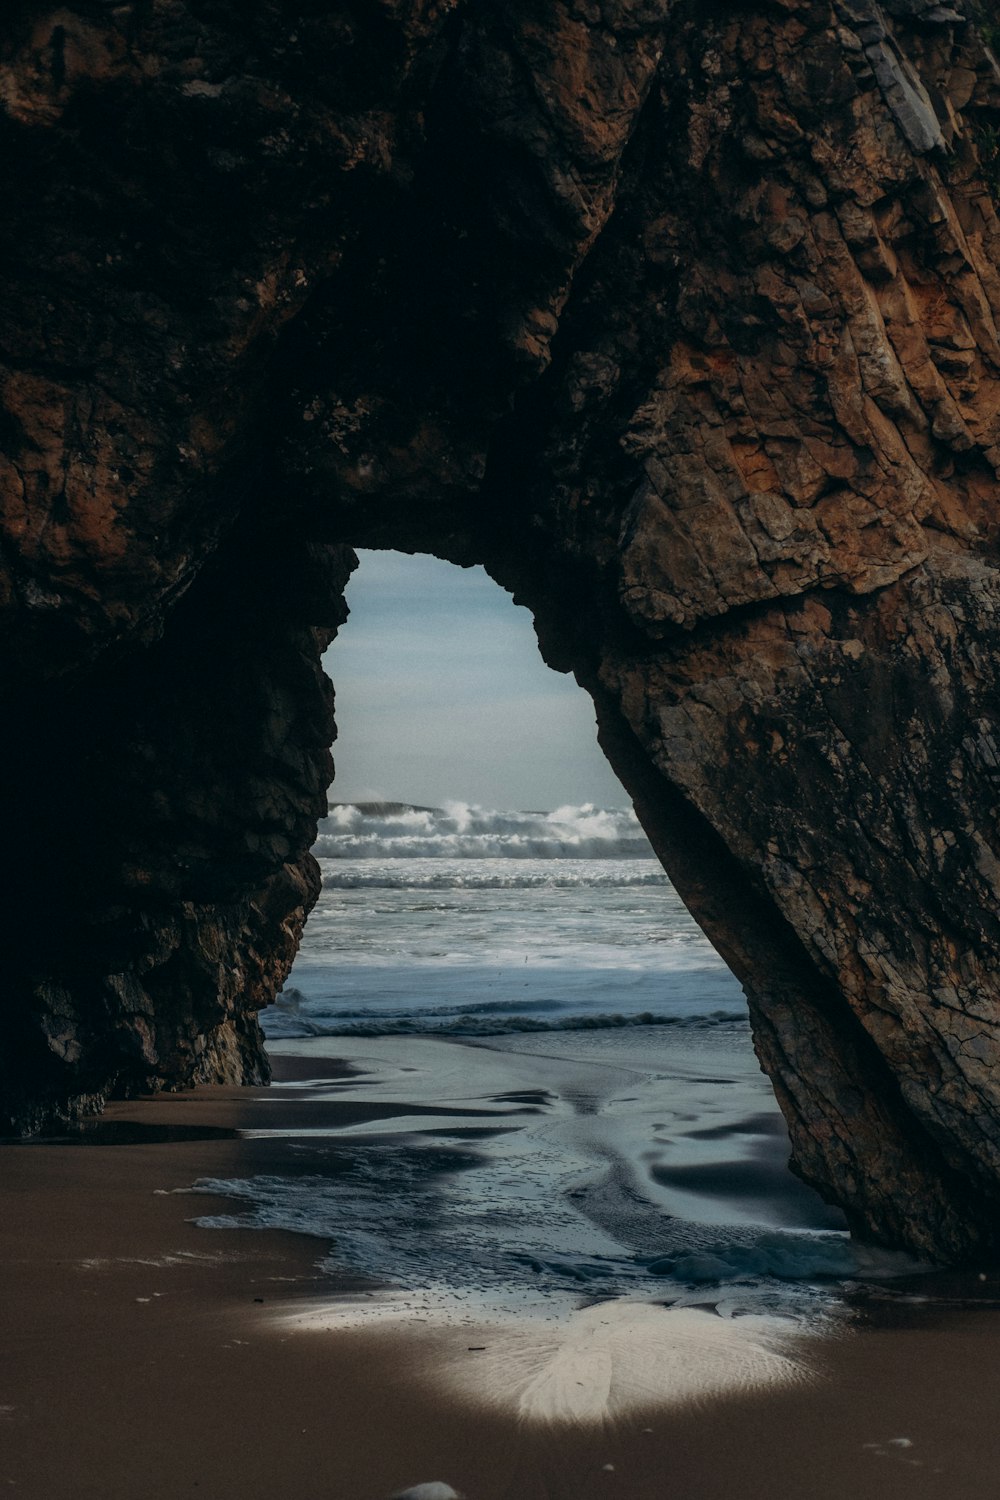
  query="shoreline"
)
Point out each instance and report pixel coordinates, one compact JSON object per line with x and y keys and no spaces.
{"x":145,"y":1356}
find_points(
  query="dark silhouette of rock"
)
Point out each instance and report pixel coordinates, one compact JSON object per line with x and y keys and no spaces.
{"x":680,"y":318}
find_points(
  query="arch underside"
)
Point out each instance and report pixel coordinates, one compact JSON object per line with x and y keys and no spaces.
{"x":680,"y":320}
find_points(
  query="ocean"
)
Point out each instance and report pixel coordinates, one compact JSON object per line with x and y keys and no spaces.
{"x":567,"y":1107}
{"x":464,"y":921}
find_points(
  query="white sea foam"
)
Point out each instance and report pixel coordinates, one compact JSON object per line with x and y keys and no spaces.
{"x":395,"y":830}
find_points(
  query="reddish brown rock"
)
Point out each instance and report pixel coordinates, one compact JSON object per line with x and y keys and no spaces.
{"x":682,"y":320}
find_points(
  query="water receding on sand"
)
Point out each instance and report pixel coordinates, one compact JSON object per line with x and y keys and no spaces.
{"x":565,"y":1151}
{"x":565,"y":1194}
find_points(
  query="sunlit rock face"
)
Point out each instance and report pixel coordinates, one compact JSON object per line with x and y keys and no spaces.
{"x":680,"y":318}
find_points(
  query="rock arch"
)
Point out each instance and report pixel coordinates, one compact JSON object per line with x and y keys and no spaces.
{"x":682,"y":320}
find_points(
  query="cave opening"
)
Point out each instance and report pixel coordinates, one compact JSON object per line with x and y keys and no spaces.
{"x":487,"y":890}
{"x":468,"y":770}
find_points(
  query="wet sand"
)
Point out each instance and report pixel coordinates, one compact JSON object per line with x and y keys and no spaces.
{"x":141,"y":1356}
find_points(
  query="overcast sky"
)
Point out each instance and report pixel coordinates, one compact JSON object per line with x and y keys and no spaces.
{"x":442,"y":696}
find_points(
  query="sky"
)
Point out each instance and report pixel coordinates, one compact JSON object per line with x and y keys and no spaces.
{"x":442,"y":696}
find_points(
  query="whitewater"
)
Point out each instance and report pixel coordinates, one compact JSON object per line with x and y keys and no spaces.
{"x":470,"y":921}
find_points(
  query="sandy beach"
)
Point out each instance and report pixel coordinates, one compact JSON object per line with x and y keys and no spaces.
{"x":146,"y":1356}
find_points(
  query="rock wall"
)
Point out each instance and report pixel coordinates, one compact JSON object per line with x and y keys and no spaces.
{"x":680,"y":317}
{"x":160,"y":810}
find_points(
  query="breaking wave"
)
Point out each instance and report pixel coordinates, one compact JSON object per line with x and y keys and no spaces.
{"x":287,"y":1019}
{"x":398,"y":830}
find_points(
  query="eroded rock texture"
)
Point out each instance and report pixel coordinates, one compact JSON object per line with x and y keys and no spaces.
{"x":682,"y":318}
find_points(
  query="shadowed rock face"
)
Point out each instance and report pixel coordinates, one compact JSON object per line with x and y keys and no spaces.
{"x":682,"y":319}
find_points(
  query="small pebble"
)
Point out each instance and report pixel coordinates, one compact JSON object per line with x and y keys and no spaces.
{"x":608,"y":1469}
